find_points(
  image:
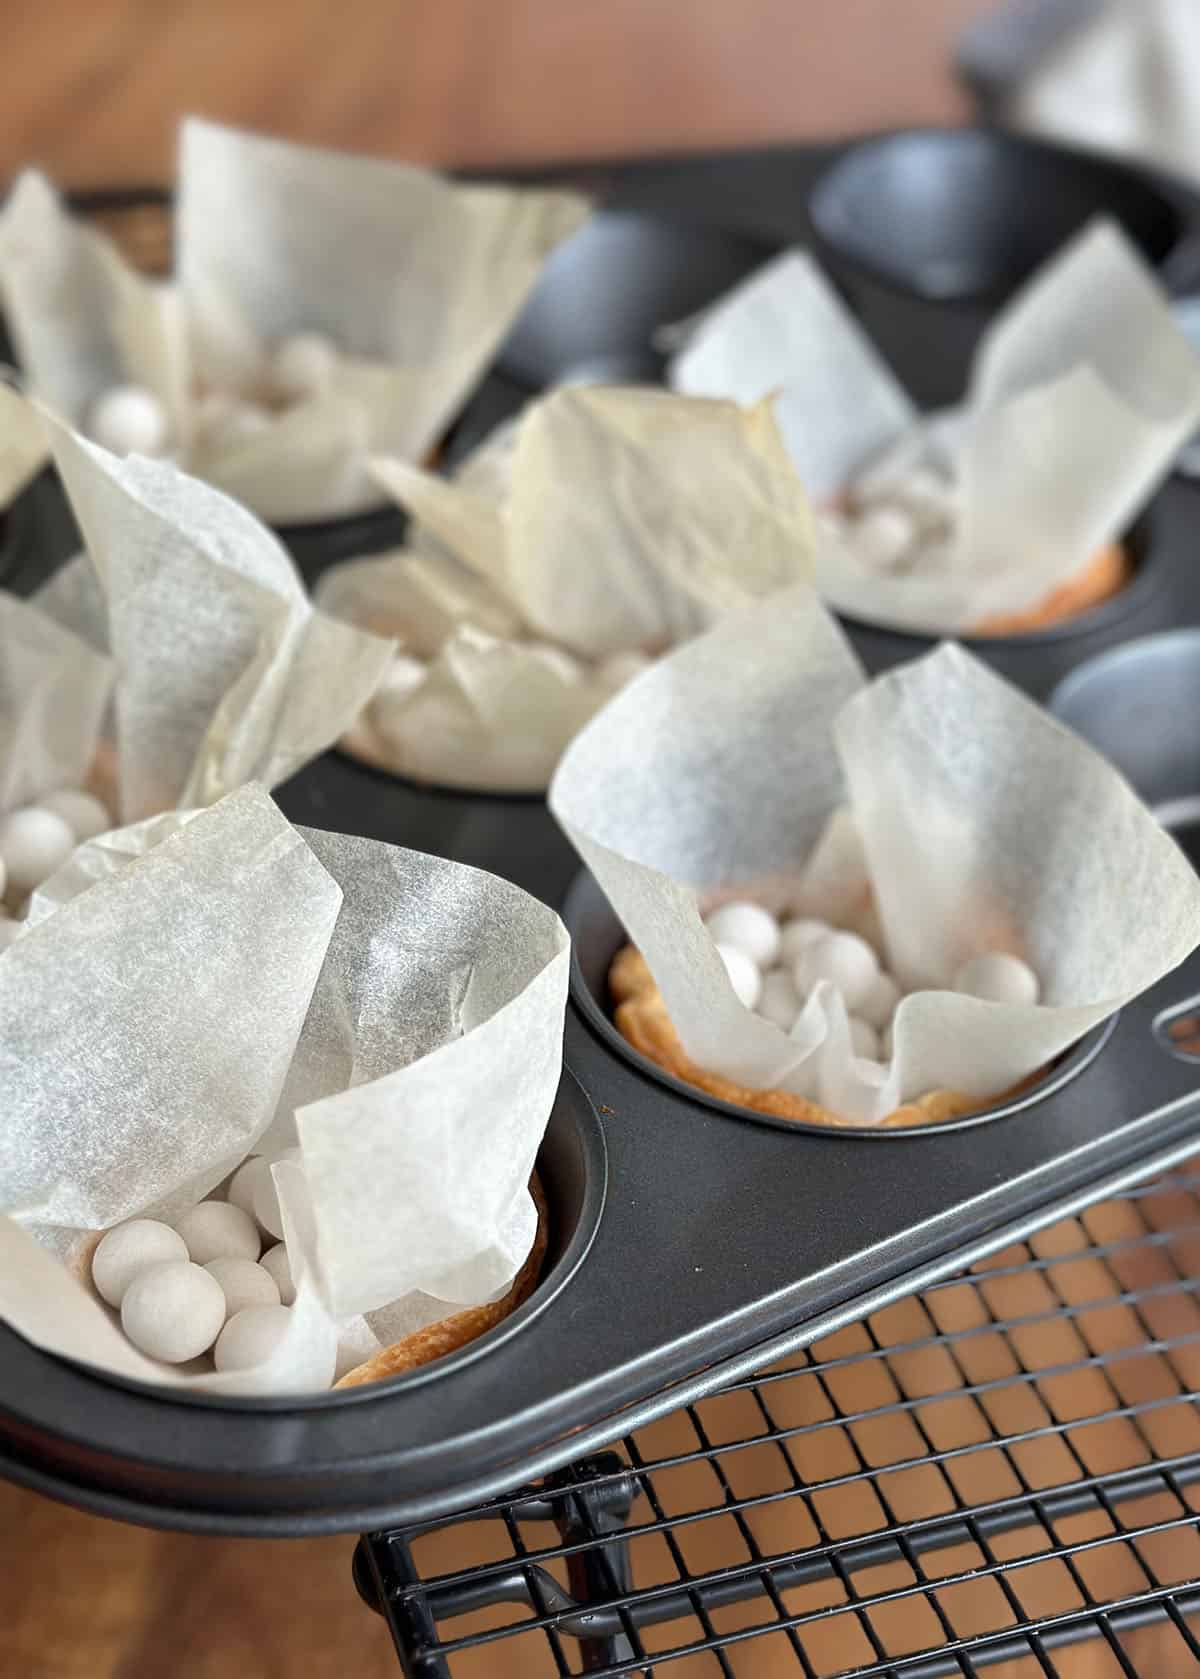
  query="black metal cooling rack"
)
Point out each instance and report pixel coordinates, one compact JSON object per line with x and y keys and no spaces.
{"x":999,"y":1475}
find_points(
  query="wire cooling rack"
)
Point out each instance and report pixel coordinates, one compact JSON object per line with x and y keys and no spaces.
{"x":999,"y":1475}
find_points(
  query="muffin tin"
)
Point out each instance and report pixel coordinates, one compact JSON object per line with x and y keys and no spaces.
{"x":688,"y":1244}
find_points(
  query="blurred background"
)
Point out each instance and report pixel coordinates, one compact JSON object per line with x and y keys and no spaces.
{"x":93,"y":88}
{"x":93,"y":92}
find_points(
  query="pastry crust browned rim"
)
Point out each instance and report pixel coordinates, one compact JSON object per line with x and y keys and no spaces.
{"x":1108,"y":572}
{"x":436,"y":1340}
{"x":641,"y":1017}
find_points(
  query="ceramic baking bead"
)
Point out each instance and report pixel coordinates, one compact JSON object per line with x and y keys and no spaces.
{"x":303,"y":365}
{"x":33,"y":843}
{"x":884,"y":535}
{"x":211,"y":413}
{"x":82,"y":812}
{"x":743,"y":974}
{"x":276,"y":1262}
{"x":403,"y":676}
{"x":795,"y":934}
{"x":10,"y":931}
{"x":266,"y":1202}
{"x":879,"y":1004}
{"x":129,"y":420}
{"x":779,"y":1001}
{"x":389,"y":708}
{"x":246,"y":1180}
{"x":243,"y":1283}
{"x":844,"y":959}
{"x":746,"y":927}
{"x":173,"y":1311}
{"x":864,"y":1040}
{"x":557,"y":659}
{"x":219,"y":1230}
{"x":998,"y":978}
{"x":887,"y":1042}
{"x":250,"y":1337}
{"x":831,"y":525}
{"x":130,"y":1248}
{"x":243,"y":421}
{"x":927,"y":498}
{"x":621,"y":668}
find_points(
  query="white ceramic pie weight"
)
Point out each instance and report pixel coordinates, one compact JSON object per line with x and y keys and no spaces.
{"x":323,"y":307}
{"x":935,"y":808}
{"x":600,"y":528}
{"x":1080,"y":394}
{"x":226,"y":673}
{"x":54,"y":697}
{"x":385,"y":1027}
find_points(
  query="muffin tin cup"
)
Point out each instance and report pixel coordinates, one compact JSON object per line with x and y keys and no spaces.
{"x":1139,"y":704}
{"x":928,"y":231}
{"x":722,"y":1244}
{"x":134,"y":1442}
{"x":596,"y":937}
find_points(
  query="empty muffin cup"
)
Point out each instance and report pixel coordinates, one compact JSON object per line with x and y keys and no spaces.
{"x":610,"y":287}
{"x":1138,"y":705}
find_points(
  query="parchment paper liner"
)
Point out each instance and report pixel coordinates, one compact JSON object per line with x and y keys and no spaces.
{"x":935,"y":810}
{"x":438,"y":1340}
{"x":609,"y":520}
{"x":226,"y":673}
{"x":415,"y":278}
{"x":1081,"y":393}
{"x":336,"y":1055}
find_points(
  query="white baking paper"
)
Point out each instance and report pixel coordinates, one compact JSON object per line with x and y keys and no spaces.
{"x":54,"y":690}
{"x":785,"y":330}
{"x":612,"y":520}
{"x":416,"y":279}
{"x":398,"y":1015}
{"x":226,"y":673}
{"x":1123,"y":76}
{"x":1081,"y":392}
{"x":759,"y":758}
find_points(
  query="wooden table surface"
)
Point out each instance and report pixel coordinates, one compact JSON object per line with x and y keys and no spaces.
{"x":92,"y":92}
{"x":93,"y":88}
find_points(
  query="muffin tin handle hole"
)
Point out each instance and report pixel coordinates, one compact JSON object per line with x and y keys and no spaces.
{"x":1177,"y":1030}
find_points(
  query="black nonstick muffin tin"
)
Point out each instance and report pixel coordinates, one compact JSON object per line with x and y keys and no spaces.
{"x":723,"y":1241}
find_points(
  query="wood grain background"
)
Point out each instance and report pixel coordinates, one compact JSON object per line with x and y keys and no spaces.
{"x":92,"y":90}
